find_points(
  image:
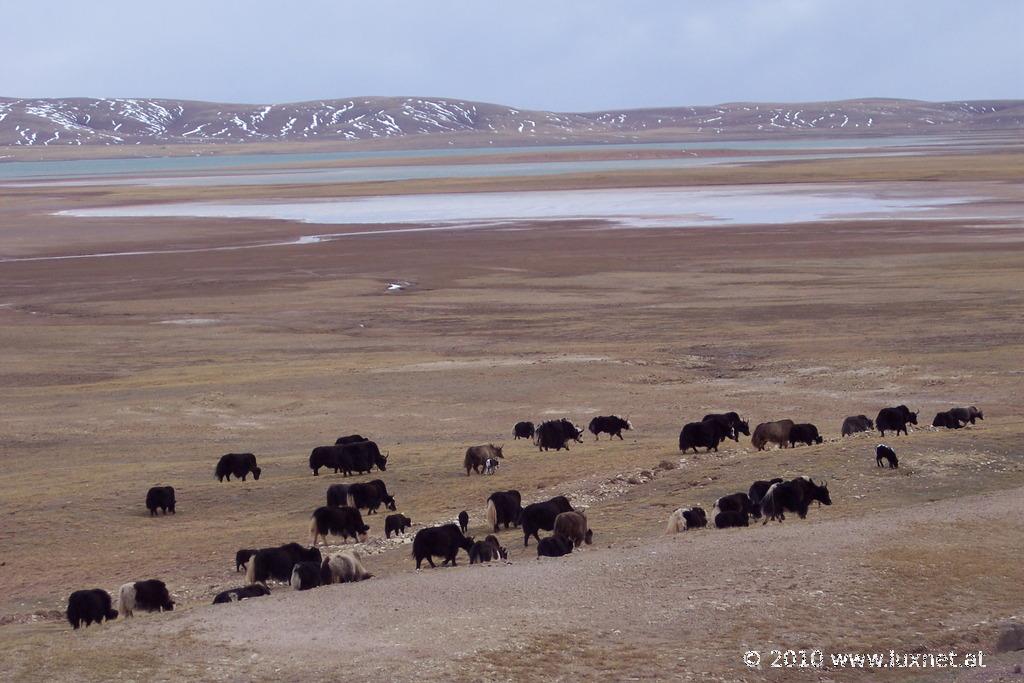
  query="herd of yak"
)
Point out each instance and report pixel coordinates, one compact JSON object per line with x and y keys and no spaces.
{"x":306,"y":567}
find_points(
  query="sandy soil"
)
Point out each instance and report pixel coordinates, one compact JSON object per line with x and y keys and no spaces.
{"x":108,"y":391}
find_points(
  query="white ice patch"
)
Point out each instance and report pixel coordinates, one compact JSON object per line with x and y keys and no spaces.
{"x":190,"y":321}
{"x":624,"y":208}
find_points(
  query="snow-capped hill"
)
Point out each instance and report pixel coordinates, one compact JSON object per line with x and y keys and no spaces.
{"x":82,"y":121}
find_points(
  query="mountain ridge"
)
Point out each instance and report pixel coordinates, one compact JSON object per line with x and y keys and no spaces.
{"x":125,"y":121}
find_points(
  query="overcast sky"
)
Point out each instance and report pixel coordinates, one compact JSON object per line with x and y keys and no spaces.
{"x":561,"y":55}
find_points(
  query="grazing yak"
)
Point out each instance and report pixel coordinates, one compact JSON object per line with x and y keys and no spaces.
{"x":948,"y":420}
{"x":736,"y":502}
{"x":804,"y":433}
{"x":92,"y":606}
{"x":705,"y":434}
{"x":612,"y":425}
{"x":731,"y":518}
{"x":966,"y":415}
{"x":358,"y":457}
{"x":325,"y":456}
{"x":337,"y":495}
{"x":242,"y":557}
{"x":686,"y":518}
{"x":772,"y":432}
{"x":149,"y":596}
{"x":757,"y":491}
{"x":370,"y":496}
{"x":554,"y":546}
{"x":306,"y":575}
{"x":362,"y":457}
{"x":396,"y":524}
{"x":351,"y":438}
{"x":344,"y":567}
{"x":343,"y":521}
{"x":573,"y":525}
{"x":487,"y":550}
{"x":277,"y":563}
{"x":537,"y":516}
{"x":557,"y":434}
{"x":883,"y":452}
{"x":238,"y":464}
{"x":857,"y":423}
{"x":490,"y":466}
{"x":895,"y":420}
{"x":160,"y":497}
{"x":239,"y":594}
{"x":477,"y":456}
{"x":795,"y":496}
{"x":439,"y":541}
{"x":504,"y":507}
{"x":734,"y":426}
{"x":523,"y":430}
{"x":464,"y":521}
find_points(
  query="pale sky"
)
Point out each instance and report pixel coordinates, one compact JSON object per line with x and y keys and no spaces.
{"x":564,"y":56}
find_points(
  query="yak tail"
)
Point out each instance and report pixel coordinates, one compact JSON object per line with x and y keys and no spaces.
{"x":769,"y":506}
{"x":673,"y":523}
{"x":492,"y":514}
{"x":296,"y":580}
{"x":126,"y":599}
{"x":351,"y":500}
{"x":250,"y":570}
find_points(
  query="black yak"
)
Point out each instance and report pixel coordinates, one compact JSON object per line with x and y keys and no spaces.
{"x":804,"y":433}
{"x":238,"y":464}
{"x":731,"y":518}
{"x":523,"y":430}
{"x":161,"y":497}
{"x":149,"y":596}
{"x":557,"y":434}
{"x":487,"y":550}
{"x":396,"y":524}
{"x":895,"y":420}
{"x":612,"y":425}
{"x":277,"y":563}
{"x":239,"y":594}
{"x":91,"y":606}
{"x":795,"y":495}
{"x":504,"y":507}
{"x":857,"y":423}
{"x":537,"y":516}
{"x":734,"y":426}
{"x":705,"y":434}
{"x":883,"y":452}
{"x":554,"y":546}
{"x":342,"y":521}
{"x":439,"y":541}
{"x":686,"y":518}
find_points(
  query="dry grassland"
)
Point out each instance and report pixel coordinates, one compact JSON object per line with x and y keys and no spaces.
{"x":107,"y":392}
